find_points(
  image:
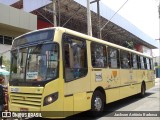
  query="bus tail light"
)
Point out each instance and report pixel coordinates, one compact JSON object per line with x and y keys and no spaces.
{"x":50,"y":98}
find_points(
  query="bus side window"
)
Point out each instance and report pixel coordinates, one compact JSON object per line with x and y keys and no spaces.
{"x":142,"y":62}
{"x":125,"y":59}
{"x":75,"y":58}
{"x":139,"y":63}
{"x":98,"y":55}
{"x":151,"y":64}
{"x":147,"y":64}
{"x":113,"y":57}
{"x":134,"y":61}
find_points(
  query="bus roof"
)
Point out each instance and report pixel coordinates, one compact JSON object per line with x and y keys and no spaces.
{"x":87,"y":37}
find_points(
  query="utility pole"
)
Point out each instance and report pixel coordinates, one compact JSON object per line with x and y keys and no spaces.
{"x":99,"y":23}
{"x":54,"y":13}
{"x":89,"y":24}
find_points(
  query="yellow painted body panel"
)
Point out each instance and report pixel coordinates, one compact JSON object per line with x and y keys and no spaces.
{"x":81,"y":102}
{"x":68,"y":104}
{"x":112,"y":95}
{"x":15,"y":107}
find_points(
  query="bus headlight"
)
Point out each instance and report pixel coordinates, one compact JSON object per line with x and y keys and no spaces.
{"x":50,"y":99}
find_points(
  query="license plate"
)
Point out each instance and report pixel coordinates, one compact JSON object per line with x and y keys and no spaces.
{"x":23,"y":109}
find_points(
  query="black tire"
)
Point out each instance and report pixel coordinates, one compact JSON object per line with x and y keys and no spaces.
{"x":143,"y":90}
{"x":97,"y":104}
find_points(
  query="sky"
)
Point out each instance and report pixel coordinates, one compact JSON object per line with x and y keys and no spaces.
{"x":142,"y":13}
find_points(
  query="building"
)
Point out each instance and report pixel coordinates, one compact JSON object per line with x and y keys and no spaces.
{"x":13,"y":22}
{"x":156,"y":61}
{"x":21,"y":16}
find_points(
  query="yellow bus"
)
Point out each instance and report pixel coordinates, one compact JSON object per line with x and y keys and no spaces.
{"x":62,"y":72}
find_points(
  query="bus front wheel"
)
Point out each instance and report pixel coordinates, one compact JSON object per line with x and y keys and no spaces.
{"x":97,"y":103}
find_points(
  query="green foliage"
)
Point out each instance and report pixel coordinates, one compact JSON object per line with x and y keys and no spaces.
{"x":6,"y":62}
{"x":128,"y":44}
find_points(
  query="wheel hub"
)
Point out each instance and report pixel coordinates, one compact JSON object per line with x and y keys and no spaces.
{"x":98,"y":104}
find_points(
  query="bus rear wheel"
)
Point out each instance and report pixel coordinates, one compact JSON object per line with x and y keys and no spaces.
{"x":97,"y":103}
{"x":143,"y":90}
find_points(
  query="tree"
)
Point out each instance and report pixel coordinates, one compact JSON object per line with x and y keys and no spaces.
{"x":128,"y":44}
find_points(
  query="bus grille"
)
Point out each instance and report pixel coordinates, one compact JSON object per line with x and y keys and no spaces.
{"x":26,"y":99}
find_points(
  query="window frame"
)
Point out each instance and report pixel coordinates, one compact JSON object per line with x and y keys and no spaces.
{"x":106,"y":54}
{"x":148,"y":64}
{"x":129,"y":59}
{"x":40,"y":83}
{"x":6,"y":40}
{"x":137,"y":61}
{"x":117,"y":58}
{"x":64,"y":36}
{"x":141,"y":62}
{"x":151,"y":63}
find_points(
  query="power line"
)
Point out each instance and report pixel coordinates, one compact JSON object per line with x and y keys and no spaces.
{"x":112,"y":16}
{"x":45,"y":17}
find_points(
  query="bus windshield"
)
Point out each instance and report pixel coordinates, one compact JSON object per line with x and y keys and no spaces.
{"x":35,"y":63}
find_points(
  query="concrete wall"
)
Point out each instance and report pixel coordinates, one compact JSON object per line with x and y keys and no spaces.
{"x":14,"y":22}
{"x":17,"y":18}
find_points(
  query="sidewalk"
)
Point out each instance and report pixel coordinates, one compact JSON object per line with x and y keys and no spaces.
{"x":157,"y":81}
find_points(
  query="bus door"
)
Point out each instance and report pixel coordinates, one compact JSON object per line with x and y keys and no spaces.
{"x":76,"y":74}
